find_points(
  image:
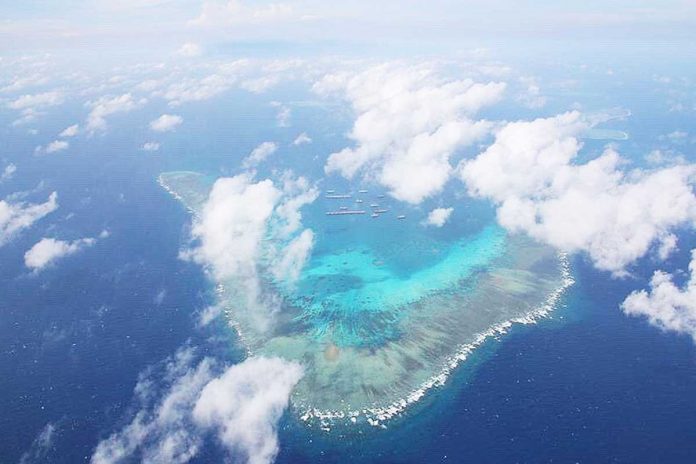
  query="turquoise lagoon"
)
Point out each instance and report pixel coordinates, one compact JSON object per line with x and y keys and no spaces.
{"x":386,"y":308}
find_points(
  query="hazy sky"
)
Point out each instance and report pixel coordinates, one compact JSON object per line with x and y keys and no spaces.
{"x":70,"y":24}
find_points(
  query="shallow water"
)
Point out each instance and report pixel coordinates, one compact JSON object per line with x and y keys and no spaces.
{"x":377,"y":324}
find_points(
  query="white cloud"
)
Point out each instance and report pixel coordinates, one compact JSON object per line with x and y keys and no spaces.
{"x":159,"y":298}
{"x":163,"y":431}
{"x":48,"y":250}
{"x":30,"y":105}
{"x":297,"y":192}
{"x":209,"y":314}
{"x":53,"y":147}
{"x":41,"y":445}
{"x":190,"y":50}
{"x":664,"y":157}
{"x":166,"y":123}
{"x":531,"y":97}
{"x":150,"y":146}
{"x":259,"y":154}
{"x":231,"y":12}
{"x":409,"y":123}
{"x":14,"y":217}
{"x":71,"y":131}
{"x":283,"y":116}
{"x":105,"y":106}
{"x":614,"y":216}
{"x":21,"y":82}
{"x":240,"y":404}
{"x":302,"y":139}
{"x":666,"y":305}
{"x":193,"y":89}
{"x":39,"y":100}
{"x":677,"y":136}
{"x":668,"y":244}
{"x":233,"y":223}
{"x":245,"y":404}
{"x":57,"y":145}
{"x":439,"y":216}
{"x":148,"y":85}
{"x":237,"y":216}
{"x":8,"y":172}
{"x":260,"y":84}
{"x":295,"y":256}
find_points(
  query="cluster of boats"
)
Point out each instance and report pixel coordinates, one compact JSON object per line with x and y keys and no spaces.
{"x":375,"y":211}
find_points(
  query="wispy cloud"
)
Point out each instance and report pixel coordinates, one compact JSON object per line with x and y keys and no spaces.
{"x":106,"y":106}
{"x":302,"y":139}
{"x":53,"y":147}
{"x":8,"y":172}
{"x":259,"y":154}
{"x":41,"y":445}
{"x":14,"y":217}
{"x":240,"y":404}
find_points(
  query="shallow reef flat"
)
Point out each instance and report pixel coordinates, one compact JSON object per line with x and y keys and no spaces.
{"x":374,"y":334}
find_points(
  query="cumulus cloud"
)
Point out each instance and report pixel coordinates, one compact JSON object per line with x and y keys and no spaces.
{"x":409,"y":123}
{"x":70,"y":131}
{"x":233,"y":223}
{"x":245,"y":404}
{"x":49,"y":250}
{"x":106,"y":106}
{"x":595,"y":207}
{"x":189,"y":50}
{"x":14,"y":217}
{"x":166,"y":123}
{"x":237,"y":216}
{"x":439,"y":216}
{"x":8,"y":172}
{"x":150,"y":146}
{"x":302,"y":139}
{"x":240,"y":404}
{"x":666,"y":305}
{"x":259,"y":154}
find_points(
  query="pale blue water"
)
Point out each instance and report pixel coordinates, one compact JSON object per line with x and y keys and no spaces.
{"x":343,"y":292}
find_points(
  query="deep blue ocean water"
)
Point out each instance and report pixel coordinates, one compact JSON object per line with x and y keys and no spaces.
{"x":588,"y":385}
